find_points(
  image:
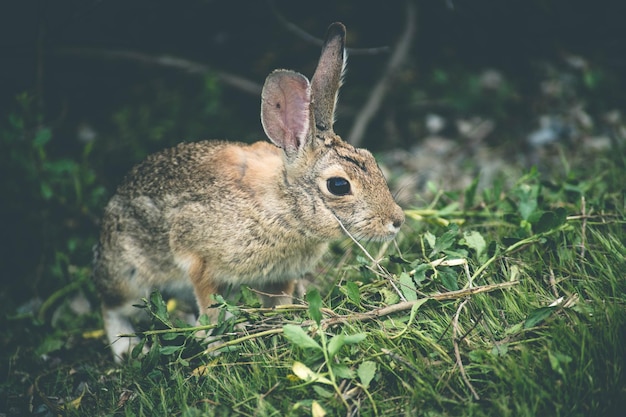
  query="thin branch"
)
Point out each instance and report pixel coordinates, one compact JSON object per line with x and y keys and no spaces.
{"x":168,"y":61}
{"x":334,"y":319}
{"x":553,"y":283}
{"x":407,"y":305}
{"x":374,"y":101}
{"x":400,"y":359}
{"x":457,"y":352}
{"x":306,"y":36}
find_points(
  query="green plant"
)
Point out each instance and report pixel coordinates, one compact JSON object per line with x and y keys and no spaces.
{"x":336,"y":369}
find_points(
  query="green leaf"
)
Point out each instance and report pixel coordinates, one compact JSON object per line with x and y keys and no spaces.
{"x":366,"y":372}
{"x":170,"y":336}
{"x":420,"y":272}
{"x":500,"y":349}
{"x":323,"y":392}
{"x":304,"y":373}
{"x":407,"y":286}
{"x":353,"y":339}
{"x":342,"y":371}
{"x":138,"y":349}
{"x":528,"y":199}
{"x":449,"y":278}
{"x":151,"y":359}
{"x":537,"y":316}
{"x":446,"y":240}
{"x":557,"y":359}
{"x":550,"y":220}
{"x":168,"y":350}
{"x":248,"y":297}
{"x":158,"y":308}
{"x":42,"y":137}
{"x":475,"y":240}
{"x":315,"y":304}
{"x":297,"y":336}
{"x":204,"y":320}
{"x":353,"y":292}
{"x":431,"y":239}
{"x":389,"y":297}
{"x":458,"y":253}
{"x":335,"y":344}
{"x":46,"y":191}
{"x":50,"y":344}
{"x":535,"y":216}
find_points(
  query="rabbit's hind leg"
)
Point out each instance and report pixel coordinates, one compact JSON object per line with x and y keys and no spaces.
{"x":117,"y":323}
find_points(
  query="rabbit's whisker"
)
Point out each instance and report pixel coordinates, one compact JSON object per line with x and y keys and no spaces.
{"x":384,"y":272}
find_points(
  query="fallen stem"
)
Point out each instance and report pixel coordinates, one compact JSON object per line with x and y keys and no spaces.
{"x":334,"y":319}
{"x":457,"y":351}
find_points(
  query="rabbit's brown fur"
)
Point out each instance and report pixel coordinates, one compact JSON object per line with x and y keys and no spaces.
{"x":212,"y":214}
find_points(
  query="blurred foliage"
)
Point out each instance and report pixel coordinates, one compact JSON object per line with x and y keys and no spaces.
{"x":50,"y":199}
{"x":160,"y":113}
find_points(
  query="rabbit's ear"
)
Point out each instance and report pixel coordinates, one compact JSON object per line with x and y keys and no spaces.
{"x":327,"y":78}
{"x":285,"y":101}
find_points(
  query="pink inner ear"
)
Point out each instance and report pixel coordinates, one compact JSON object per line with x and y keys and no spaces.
{"x":296,"y":112}
{"x":285,"y":109}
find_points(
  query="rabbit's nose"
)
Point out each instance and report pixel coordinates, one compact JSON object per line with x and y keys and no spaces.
{"x":398,"y":218}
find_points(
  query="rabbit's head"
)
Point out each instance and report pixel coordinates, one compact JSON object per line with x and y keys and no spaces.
{"x":333,"y":185}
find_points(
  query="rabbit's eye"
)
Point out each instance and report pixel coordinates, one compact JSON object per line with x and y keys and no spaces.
{"x":338,"y":186}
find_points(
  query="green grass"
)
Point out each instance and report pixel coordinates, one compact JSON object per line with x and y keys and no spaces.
{"x":546,"y":337}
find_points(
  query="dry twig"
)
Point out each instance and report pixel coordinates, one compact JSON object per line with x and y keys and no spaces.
{"x":306,"y":36}
{"x":336,"y":319}
{"x":168,"y":61}
{"x":457,"y":352}
{"x":398,"y":57}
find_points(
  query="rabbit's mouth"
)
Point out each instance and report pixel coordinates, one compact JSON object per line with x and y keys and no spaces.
{"x":390,"y":235}
{"x":366,"y":230}
{"x":393,"y":228}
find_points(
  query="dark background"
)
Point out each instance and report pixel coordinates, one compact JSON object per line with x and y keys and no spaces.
{"x":246,"y":38}
{"x":51,"y":55}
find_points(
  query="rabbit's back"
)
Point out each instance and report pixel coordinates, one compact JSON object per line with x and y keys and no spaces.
{"x":190,"y":168}
{"x":213,"y":173}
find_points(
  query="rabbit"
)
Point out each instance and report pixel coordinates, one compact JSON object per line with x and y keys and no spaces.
{"x":206,"y":216}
